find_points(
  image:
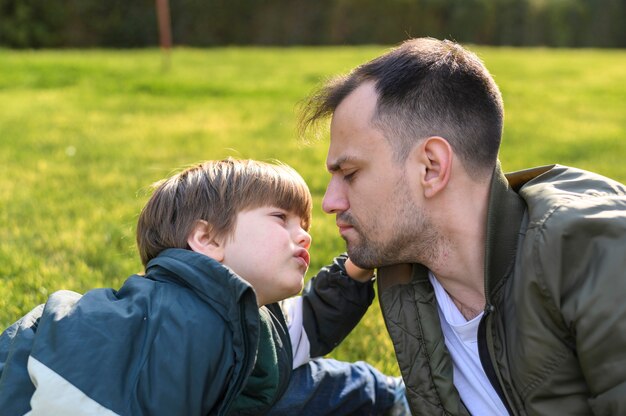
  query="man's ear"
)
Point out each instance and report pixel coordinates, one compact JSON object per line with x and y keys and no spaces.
{"x":200,"y":240}
{"x":436,"y":156}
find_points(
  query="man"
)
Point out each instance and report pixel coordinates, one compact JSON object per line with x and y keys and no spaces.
{"x":501,"y":293}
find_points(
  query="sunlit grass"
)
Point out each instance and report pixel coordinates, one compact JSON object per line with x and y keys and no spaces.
{"x":83,"y":134}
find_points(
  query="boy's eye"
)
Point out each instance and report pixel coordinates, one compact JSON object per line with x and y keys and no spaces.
{"x":280,"y":215}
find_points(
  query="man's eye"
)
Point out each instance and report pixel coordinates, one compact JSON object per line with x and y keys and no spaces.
{"x":349,"y":177}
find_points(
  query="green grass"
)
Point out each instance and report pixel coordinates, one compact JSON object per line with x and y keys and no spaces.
{"x":84,"y":133}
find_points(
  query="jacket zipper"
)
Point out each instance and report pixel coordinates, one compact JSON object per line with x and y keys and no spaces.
{"x":485,"y":358}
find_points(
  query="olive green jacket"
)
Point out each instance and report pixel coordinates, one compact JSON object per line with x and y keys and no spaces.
{"x":553,"y":336}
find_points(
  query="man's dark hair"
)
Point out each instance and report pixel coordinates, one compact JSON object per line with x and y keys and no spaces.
{"x":426,"y":87}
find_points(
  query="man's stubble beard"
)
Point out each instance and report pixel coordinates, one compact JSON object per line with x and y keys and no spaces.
{"x":413,"y":237}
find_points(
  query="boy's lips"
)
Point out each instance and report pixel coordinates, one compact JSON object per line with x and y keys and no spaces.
{"x":303,"y":256}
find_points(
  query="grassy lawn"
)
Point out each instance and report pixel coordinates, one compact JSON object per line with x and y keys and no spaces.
{"x":84,"y":133}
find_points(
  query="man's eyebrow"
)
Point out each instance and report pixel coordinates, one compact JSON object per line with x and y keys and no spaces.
{"x":336,"y":165}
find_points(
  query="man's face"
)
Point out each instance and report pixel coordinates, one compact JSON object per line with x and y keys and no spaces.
{"x":369,"y":191}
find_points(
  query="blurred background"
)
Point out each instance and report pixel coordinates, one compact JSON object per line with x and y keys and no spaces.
{"x":123,"y":23}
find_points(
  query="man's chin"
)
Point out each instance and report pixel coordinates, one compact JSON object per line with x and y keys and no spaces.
{"x":359,"y":258}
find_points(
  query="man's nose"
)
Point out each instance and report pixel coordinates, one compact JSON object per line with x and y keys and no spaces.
{"x":334,"y":199}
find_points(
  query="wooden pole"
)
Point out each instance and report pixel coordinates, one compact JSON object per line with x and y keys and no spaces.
{"x":165,"y":30}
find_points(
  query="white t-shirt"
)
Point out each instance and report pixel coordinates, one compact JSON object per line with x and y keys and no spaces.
{"x":300,"y":345}
{"x":461,"y":337}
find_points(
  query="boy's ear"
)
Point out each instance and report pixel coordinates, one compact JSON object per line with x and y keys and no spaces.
{"x":200,"y":240}
{"x":435,"y":154}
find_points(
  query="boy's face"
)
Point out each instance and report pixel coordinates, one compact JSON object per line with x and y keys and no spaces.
{"x":269,"y":249}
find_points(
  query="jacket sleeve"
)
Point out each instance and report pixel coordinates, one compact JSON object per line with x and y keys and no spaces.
{"x":333,"y":304}
{"x":16,"y":387}
{"x":582,"y":259}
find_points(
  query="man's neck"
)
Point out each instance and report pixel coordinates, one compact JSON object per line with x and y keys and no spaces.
{"x":469,"y":312}
{"x":460,"y":262}
{"x":461,"y":273}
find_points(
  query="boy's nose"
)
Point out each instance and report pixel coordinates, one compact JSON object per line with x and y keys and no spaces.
{"x":304,"y":239}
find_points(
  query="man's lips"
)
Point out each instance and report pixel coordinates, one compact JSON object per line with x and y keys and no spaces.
{"x":303,"y":256}
{"x":343,"y":227}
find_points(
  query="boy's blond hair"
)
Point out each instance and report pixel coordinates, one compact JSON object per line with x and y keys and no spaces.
{"x":216,"y":191}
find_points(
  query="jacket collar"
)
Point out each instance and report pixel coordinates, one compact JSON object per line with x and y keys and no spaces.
{"x":504,"y":217}
{"x":208,"y":278}
{"x":505,"y":214}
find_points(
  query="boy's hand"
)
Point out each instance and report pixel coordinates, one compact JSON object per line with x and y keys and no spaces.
{"x":357,"y":273}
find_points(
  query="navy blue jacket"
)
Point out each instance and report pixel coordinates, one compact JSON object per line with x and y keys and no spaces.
{"x":180,"y":340}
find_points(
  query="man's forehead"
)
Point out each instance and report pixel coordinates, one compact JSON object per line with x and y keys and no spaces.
{"x":361,"y":102}
{"x":355,"y":147}
{"x":352,"y":134}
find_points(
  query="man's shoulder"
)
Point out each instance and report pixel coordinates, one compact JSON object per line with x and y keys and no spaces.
{"x":563,"y":196}
{"x":560,"y":178}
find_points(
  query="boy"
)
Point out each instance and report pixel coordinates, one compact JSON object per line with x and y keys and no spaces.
{"x":201,"y":332}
